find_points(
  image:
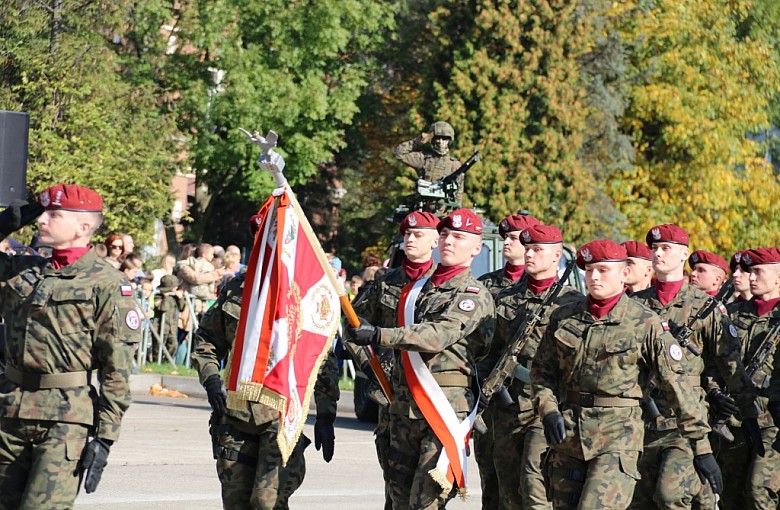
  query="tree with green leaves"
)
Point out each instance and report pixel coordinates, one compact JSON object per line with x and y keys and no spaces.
{"x":61,"y":61}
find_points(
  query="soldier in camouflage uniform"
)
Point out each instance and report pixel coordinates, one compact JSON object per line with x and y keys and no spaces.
{"x":452,"y":327}
{"x":709,"y":271}
{"x":640,"y":266}
{"x":67,"y":318}
{"x":168,"y":306}
{"x":741,"y":279}
{"x":668,"y":478}
{"x":509,"y":229}
{"x":750,"y":474}
{"x":379,"y":305}
{"x":249,"y":463}
{"x":514,"y":430}
{"x":434,"y":162}
{"x":586,"y":385}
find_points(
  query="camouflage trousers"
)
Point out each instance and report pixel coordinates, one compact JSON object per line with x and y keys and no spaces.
{"x":382,"y":442}
{"x":669,"y":480}
{"x":734,"y":460}
{"x":414,"y":451}
{"x":606,"y":481}
{"x":39,"y":463}
{"x":250,"y":467}
{"x":511,"y":454}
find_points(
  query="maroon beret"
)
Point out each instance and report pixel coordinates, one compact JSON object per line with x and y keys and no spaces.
{"x":666,"y":233}
{"x":759,"y":256}
{"x":516,"y":222}
{"x":734,"y":262}
{"x":541,"y":234}
{"x":254,"y":224}
{"x":70,"y":197}
{"x":637,"y":250}
{"x":463,"y":220}
{"x":603,"y":250}
{"x":418,"y":219}
{"x":706,"y":257}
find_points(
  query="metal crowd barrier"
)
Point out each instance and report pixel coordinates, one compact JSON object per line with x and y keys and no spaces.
{"x":153,"y":327}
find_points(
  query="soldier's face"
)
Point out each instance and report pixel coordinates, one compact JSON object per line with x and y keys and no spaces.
{"x":458,"y":248}
{"x":669,"y":257}
{"x":440,"y":144}
{"x":514,"y":251}
{"x":765,"y":281}
{"x":605,"y":279}
{"x":707,"y":277}
{"x":741,"y":280}
{"x":541,"y":260}
{"x":63,"y":229}
{"x":419,"y":243}
{"x":639,"y":270}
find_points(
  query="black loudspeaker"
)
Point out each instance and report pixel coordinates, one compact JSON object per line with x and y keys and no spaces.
{"x":14,"y":127}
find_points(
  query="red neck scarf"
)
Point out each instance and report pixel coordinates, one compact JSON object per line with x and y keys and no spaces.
{"x":764,"y":307}
{"x":67,"y":256}
{"x":539,"y":286}
{"x":601,"y":307}
{"x":667,"y":290}
{"x":514,"y":272}
{"x":415,"y":270}
{"x":443,"y":273}
{"x":712,"y":293}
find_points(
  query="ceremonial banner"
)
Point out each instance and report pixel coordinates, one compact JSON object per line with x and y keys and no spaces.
{"x":289,"y":318}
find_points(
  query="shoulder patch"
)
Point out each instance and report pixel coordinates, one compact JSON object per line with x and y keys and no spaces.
{"x":133,"y":320}
{"x":733,"y":331}
{"x":126,"y":290}
{"x":473,"y":290}
{"x":665,"y":325}
{"x":675,"y":352}
{"x":466,"y":305}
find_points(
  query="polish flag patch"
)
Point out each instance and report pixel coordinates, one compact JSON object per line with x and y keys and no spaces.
{"x":126,"y":290}
{"x":473,"y":290}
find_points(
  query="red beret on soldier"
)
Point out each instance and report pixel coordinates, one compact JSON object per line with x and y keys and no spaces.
{"x":462,"y":220}
{"x":516,"y":222}
{"x":734,"y":262}
{"x":70,"y":197}
{"x":418,"y":219}
{"x":603,"y":250}
{"x":254,"y":224}
{"x":759,"y":256}
{"x":706,"y":257}
{"x":637,"y":250}
{"x":541,"y":234}
{"x":667,"y":233}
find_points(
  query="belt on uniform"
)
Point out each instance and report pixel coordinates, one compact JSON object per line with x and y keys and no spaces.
{"x":452,"y":380}
{"x":593,"y":400}
{"x":31,"y":381}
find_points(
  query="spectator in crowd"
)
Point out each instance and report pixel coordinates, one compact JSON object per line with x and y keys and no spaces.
{"x":219,"y":251}
{"x":232,"y":267}
{"x":354,"y":286}
{"x":101,"y":250}
{"x":188,"y":250}
{"x":218,"y":262}
{"x":115,"y":248}
{"x":170,"y":305}
{"x":199,"y":277}
{"x":166,"y":267}
{"x":127,"y":239}
{"x":131,"y":265}
{"x":147,"y":297}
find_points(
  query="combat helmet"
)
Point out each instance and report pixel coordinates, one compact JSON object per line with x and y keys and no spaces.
{"x":442,"y":128}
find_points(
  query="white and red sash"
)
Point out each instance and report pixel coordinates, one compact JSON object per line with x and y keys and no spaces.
{"x":434,"y":405}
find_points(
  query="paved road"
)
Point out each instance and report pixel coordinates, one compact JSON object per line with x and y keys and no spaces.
{"x":163,"y":461}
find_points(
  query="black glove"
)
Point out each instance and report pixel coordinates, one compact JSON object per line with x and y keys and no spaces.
{"x":94,"y":459}
{"x":555,"y":428}
{"x":723,"y":405}
{"x":324,"y":436}
{"x":17,"y":215}
{"x":216,"y":395}
{"x":753,"y":435}
{"x":365,"y":334}
{"x":707,"y":468}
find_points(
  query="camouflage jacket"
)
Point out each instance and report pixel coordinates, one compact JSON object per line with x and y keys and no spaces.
{"x":713,"y":337}
{"x":82,"y":317}
{"x":752,"y":331}
{"x":171,"y":305}
{"x":496,"y":281}
{"x":608,"y":358}
{"x":214,"y":341}
{"x":512,"y":307}
{"x":453,"y":327}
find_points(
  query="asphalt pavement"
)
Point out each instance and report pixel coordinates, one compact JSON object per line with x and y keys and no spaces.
{"x":163,"y":459}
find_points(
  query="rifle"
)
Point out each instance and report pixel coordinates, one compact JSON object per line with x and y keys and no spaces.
{"x":683,"y":337}
{"x":508,"y":363}
{"x":761,"y":355}
{"x":446,"y":187}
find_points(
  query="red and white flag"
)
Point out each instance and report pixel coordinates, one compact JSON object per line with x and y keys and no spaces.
{"x":289,"y":316}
